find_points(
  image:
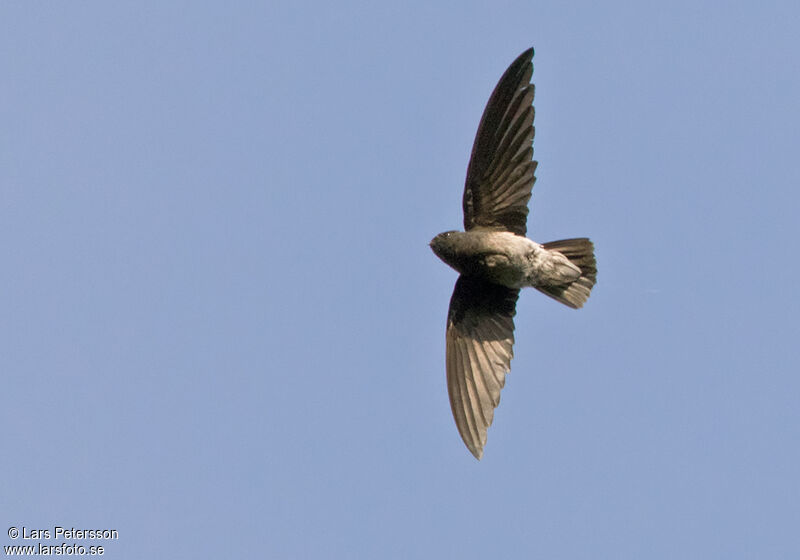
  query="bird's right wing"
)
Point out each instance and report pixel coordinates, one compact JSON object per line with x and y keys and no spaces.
{"x":480,"y":339}
{"x":500,"y":174}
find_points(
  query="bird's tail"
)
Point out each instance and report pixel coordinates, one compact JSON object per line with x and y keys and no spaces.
{"x":580,"y":252}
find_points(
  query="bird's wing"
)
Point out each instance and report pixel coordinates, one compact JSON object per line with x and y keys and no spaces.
{"x":500,"y":174}
{"x":480,"y":339}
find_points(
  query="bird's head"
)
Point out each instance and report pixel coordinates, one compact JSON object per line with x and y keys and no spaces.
{"x":446,"y":247}
{"x":442,"y":244}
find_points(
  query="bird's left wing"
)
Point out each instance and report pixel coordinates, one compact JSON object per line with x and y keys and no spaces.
{"x":500,"y":174}
{"x":480,"y":339}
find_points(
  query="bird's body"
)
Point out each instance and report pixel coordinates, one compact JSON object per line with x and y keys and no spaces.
{"x":504,"y":258}
{"x":495,"y":259}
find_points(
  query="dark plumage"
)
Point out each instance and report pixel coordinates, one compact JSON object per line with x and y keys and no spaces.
{"x":495,"y":259}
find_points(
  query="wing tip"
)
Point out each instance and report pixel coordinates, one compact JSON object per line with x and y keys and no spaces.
{"x":525,"y":56}
{"x":477,"y":452}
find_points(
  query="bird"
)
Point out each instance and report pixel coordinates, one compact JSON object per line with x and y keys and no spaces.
{"x":495,"y":259}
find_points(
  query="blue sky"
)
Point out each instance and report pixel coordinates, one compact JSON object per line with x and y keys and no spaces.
{"x":222,"y":328}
